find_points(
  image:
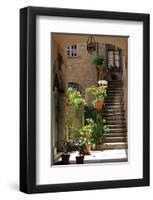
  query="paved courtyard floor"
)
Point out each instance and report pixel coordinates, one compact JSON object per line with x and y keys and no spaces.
{"x":103,"y":156}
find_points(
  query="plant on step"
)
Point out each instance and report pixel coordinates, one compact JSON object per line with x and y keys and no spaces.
{"x":86,"y":140}
{"x":101,"y":129}
{"x":75,"y":98}
{"x":103,"y":84}
{"x":99,"y":95}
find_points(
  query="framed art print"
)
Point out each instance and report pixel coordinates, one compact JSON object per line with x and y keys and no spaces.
{"x":84,"y":99}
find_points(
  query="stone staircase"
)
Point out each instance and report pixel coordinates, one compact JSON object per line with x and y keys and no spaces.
{"x":115,"y":118}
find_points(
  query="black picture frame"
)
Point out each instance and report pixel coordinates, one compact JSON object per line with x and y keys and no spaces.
{"x":28,"y":99}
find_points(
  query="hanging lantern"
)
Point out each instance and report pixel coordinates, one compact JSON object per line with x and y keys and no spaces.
{"x":91,"y":44}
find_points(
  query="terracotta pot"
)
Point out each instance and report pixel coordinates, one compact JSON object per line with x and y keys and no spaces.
{"x":80,"y":159}
{"x":65,"y":158}
{"x":86,"y":150}
{"x":101,"y":73}
{"x":99,"y":105}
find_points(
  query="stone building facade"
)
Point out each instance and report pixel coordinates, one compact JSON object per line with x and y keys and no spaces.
{"x":80,"y":70}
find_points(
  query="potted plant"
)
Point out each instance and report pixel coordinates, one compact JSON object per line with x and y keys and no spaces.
{"x":72,"y":135}
{"x":80,"y":157}
{"x":86,"y":140}
{"x":98,"y":103}
{"x":101,"y":130}
{"x":66,"y":155}
{"x":74,"y":98}
{"x":100,"y":63}
{"x":103,"y":84}
{"x":99,"y":96}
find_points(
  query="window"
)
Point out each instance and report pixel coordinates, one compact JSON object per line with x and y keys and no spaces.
{"x":114,"y":60}
{"x":72,"y":50}
{"x":75,"y":86}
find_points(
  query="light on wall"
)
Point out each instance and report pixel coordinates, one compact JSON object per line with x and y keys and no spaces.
{"x":91,"y":44}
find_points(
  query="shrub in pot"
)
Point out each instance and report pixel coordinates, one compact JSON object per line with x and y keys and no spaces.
{"x":99,"y":95}
{"x":99,"y":61}
{"x":86,"y":140}
{"x":101,"y":130}
{"x":98,"y":104}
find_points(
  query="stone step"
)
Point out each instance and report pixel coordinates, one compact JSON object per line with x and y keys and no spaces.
{"x":105,"y":113}
{"x":114,"y":92}
{"x":117,"y":145}
{"x":115,"y":81}
{"x":113,"y":110}
{"x":114,"y":119}
{"x":110,"y":113}
{"x":115,"y":139}
{"x":113,"y":100}
{"x":116,"y":126}
{"x":115,"y":85}
{"x":118,"y":130}
{"x":111,"y":120}
{"x":112,"y":103}
{"x":114,"y":88}
{"x":118,"y":106}
{"x":122,"y":134}
{"x":110,"y":95}
{"x":115,"y":122}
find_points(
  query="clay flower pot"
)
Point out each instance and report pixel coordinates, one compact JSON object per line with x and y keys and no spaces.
{"x":86,"y":150}
{"x":99,"y":105}
{"x":101,"y":73}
